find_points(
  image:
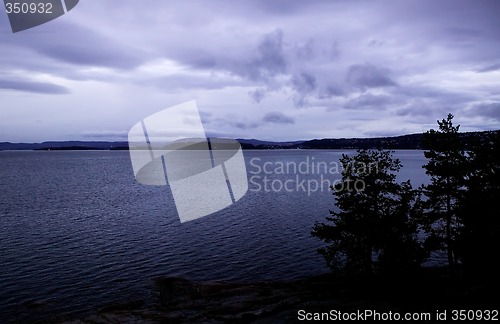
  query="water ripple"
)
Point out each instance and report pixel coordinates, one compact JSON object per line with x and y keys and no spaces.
{"x":78,"y":232}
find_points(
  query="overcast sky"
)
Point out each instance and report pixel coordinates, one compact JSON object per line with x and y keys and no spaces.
{"x":265,"y":69}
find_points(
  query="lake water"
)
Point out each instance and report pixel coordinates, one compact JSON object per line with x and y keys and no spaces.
{"x":77,"y":232}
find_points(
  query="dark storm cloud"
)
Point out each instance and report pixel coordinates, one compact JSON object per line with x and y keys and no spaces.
{"x":244,"y":125}
{"x":277,"y":118}
{"x":435,"y":94}
{"x":89,"y":54}
{"x":330,"y":91}
{"x":304,"y":84}
{"x":459,"y":34}
{"x":214,"y":125}
{"x":271,"y":62}
{"x":198,"y":58}
{"x":490,"y":110}
{"x":206,"y":117}
{"x":78,"y":45}
{"x":33,"y":87}
{"x":490,"y":68}
{"x":274,"y":117}
{"x":422,"y":92}
{"x":370,"y":101}
{"x":261,"y":64}
{"x":271,"y":58}
{"x":366,"y":76}
{"x":334,"y":52}
{"x":424,"y":103}
{"x":375,"y":43}
{"x":178,"y":81}
{"x":305,"y":51}
{"x":274,"y":63}
{"x":257,"y":95}
{"x":421,"y":110}
{"x":286,"y":7}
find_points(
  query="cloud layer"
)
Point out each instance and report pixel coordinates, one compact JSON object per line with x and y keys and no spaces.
{"x":274,"y":70}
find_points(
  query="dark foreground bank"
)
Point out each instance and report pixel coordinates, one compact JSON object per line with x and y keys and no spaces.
{"x":183,"y":301}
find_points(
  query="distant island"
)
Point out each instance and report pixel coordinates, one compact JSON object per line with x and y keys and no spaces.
{"x":403,"y":142}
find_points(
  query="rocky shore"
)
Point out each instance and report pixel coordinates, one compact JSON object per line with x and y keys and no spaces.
{"x":184,"y":301}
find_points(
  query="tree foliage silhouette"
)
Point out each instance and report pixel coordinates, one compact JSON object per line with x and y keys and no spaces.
{"x":376,"y":221}
{"x":447,"y":168}
{"x":374,"y":225}
{"x":479,"y":212}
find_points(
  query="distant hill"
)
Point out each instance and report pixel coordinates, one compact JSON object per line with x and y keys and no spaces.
{"x":403,"y":142}
{"x":408,"y":142}
{"x":65,"y":145}
{"x":258,"y":144}
{"x":413,"y":141}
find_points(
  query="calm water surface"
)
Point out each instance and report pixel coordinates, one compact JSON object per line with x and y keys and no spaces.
{"x":77,"y":232}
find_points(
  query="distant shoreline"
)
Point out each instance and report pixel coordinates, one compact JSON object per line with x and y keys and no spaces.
{"x":404,"y":142}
